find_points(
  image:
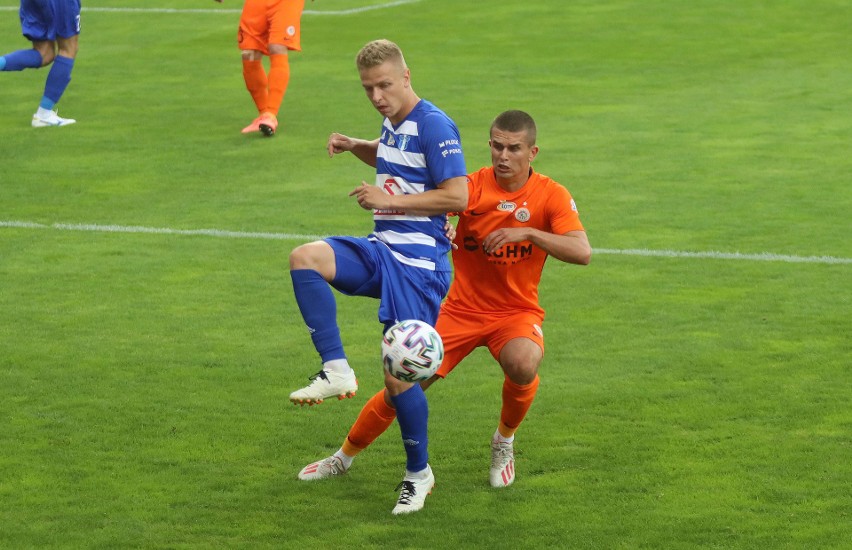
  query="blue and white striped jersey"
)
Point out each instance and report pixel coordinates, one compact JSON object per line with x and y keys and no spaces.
{"x":417,"y":155}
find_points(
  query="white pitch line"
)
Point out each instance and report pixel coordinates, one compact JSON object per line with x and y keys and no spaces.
{"x":161,"y":231}
{"x":716,"y":255}
{"x":222,"y":233}
{"x":350,"y":11}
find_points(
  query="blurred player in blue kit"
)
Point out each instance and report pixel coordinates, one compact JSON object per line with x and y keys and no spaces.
{"x":53,"y":27}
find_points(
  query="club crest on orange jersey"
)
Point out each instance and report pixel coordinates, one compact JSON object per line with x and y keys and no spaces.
{"x":522,"y":214}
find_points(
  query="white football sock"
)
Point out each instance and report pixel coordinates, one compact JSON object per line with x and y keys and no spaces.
{"x":500,"y":439}
{"x":344,"y":458}
{"x":340,"y":366}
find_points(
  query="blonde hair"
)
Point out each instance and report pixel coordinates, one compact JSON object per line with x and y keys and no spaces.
{"x":377,"y":52}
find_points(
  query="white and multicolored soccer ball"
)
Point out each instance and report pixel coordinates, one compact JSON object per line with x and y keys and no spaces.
{"x":412,"y":350}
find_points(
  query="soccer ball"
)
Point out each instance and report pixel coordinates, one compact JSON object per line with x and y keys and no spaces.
{"x":412,"y":351}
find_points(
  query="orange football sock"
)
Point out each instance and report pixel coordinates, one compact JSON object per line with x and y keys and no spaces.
{"x":279,"y":77}
{"x":256,"y":82}
{"x":516,"y":402}
{"x":376,"y":416}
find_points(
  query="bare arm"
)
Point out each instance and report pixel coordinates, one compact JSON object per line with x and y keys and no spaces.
{"x":361,"y":148}
{"x":450,"y":196}
{"x":572,"y":247}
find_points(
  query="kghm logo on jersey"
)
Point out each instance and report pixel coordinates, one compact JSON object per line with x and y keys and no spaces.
{"x":510,"y":253}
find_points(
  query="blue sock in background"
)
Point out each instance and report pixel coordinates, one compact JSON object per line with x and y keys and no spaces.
{"x":57,"y":80}
{"x":20,"y":60}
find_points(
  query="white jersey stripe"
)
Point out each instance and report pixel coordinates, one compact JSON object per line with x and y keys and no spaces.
{"x":405,"y":158}
{"x":396,"y":216}
{"x":394,"y":237}
{"x":414,"y":262}
{"x":407,"y":127}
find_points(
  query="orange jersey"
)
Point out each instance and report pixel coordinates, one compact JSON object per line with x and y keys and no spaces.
{"x":508,"y":279}
{"x":265,"y":22}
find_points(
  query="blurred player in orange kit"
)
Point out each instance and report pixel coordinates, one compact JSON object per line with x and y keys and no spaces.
{"x":268,"y":27}
{"x":514,"y":220}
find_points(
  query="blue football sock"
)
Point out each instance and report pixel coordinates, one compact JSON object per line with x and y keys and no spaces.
{"x":412,"y":413}
{"x":20,"y":60}
{"x":57,"y":80}
{"x":319,"y":310}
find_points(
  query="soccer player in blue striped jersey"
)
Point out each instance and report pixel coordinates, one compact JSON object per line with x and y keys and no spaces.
{"x":53,"y":27}
{"x":420,"y":176}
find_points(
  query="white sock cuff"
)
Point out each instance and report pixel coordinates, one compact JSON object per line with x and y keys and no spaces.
{"x":344,"y":458}
{"x":500,"y":439}
{"x":340,"y":366}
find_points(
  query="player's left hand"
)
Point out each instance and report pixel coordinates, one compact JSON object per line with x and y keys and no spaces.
{"x":496,"y":239}
{"x":450,"y":232}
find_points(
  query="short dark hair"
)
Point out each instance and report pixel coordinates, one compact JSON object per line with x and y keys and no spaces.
{"x":516,"y":121}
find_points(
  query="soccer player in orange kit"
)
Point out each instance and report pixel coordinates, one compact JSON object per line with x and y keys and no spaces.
{"x":514,"y":220}
{"x":272,"y":28}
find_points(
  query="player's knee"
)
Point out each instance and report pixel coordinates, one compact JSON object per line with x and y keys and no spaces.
{"x":300,"y":257}
{"x":47,"y":52}
{"x":523,"y":377}
{"x":521,"y":370}
{"x":520,"y":359}
{"x":69,"y":51}
{"x":316,"y":255}
{"x":68,"y":47}
{"x":394,"y":386}
{"x":277,"y":49}
{"x":251,"y":55}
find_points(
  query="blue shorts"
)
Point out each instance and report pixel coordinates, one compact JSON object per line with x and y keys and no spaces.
{"x":367,"y":268}
{"x":43,"y":20}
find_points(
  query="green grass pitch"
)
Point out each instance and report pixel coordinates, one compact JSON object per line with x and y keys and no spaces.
{"x":687,"y":400}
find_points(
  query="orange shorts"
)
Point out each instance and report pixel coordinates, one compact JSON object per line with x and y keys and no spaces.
{"x":462,"y":332}
{"x":265,"y":22}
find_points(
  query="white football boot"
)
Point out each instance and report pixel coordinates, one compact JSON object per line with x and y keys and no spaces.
{"x":413,"y":491}
{"x":325,"y":468}
{"x":502,"y":472}
{"x":51,"y":119}
{"x":325,"y":384}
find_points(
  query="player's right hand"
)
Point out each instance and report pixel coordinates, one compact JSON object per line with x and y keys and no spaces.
{"x":338,"y":143}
